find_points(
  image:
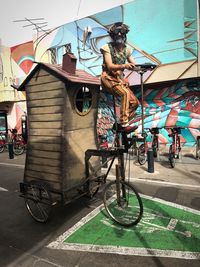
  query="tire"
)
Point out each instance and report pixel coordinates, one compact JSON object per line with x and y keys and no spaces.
{"x":155,"y":151}
{"x":171,"y":157}
{"x":198,"y":149}
{"x":18,"y":148}
{"x":130,"y":209}
{"x":142,"y":157}
{"x":38,"y":201}
{"x":2,"y":148}
{"x":198,"y":154}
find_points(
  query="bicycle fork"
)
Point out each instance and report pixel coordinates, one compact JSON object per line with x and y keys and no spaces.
{"x":120,"y":176}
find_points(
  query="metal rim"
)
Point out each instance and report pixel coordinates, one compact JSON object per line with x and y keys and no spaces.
{"x":171,"y":157}
{"x":142,"y":157}
{"x":129,"y":211}
{"x":38,"y":201}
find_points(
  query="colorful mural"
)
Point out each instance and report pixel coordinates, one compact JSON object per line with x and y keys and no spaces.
{"x":171,"y":106}
{"x":161,"y":32}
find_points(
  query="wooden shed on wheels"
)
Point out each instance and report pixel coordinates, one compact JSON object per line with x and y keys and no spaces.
{"x":62,"y":105}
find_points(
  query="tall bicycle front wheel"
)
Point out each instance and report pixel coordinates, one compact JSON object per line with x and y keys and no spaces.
{"x":38,"y":201}
{"x":123,"y":204}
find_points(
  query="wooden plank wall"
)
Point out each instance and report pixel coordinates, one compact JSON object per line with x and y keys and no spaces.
{"x":80,"y":135}
{"x":45,"y":105}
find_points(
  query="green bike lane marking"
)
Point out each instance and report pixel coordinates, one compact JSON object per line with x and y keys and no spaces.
{"x":166,"y":230}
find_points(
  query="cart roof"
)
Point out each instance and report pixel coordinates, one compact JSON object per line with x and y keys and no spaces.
{"x":80,"y":76}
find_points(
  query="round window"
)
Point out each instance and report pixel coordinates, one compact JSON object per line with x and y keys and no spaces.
{"x":83,"y":100}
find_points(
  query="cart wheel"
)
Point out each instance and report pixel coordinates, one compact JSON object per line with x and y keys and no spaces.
{"x":171,"y":157}
{"x":142,"y":157}
{"x":38,"y":201}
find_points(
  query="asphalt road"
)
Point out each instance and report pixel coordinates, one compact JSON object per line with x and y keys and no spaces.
{"x":23,"y":242}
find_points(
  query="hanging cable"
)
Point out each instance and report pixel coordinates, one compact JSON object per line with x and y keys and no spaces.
{"x":78,"y":8}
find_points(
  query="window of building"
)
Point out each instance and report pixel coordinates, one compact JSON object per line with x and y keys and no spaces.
{"x":3,"y":122}
{"x":56,"y":53}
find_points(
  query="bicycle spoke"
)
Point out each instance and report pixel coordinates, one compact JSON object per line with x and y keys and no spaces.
{"x":38,"y":201}
{"x":126,"y":209}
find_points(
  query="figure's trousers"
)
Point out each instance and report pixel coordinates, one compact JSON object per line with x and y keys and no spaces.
{"x":120,"y":87}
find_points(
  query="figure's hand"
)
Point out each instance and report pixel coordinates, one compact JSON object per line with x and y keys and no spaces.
{"x":129,"y":66}
{"x":137,"y":68}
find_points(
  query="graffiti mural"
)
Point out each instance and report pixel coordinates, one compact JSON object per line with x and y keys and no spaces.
{"x":175,"y":105}
{"x":163,"y":32}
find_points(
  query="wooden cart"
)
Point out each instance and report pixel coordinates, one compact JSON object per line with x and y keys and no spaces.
{"x":62,"y":107}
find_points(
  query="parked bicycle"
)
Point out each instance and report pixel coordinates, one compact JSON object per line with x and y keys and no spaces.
{"x":155,"y":142}
{"x":143,"y":147}
{"x":175,"y":147}
{"x":19,"y":144}
{"x":3,"y":141}
{"x":198,"y":148}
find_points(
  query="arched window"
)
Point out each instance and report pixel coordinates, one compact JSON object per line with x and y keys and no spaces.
{"x":83,"y":100}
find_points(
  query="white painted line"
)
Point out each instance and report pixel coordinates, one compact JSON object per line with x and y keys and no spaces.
{"x":172,"y":204}
{"x":164,"y":183}
{"x":12,"y":165}
{"x":59,"y":242}
{"x":130,"y":251}
{"x":3,"y":189}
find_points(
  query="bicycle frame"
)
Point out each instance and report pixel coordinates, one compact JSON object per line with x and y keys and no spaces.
{"x":123,"y":197}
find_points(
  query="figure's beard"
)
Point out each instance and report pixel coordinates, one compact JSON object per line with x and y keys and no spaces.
{"x":120,"y":40}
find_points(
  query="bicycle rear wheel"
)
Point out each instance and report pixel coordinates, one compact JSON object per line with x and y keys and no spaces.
{"x":18,"y":148}
{"x":171,"y":157}
{"x":2,"y":148}
{"x":38,"y":201}
{"x":198,"y":148}
{"x":155,"y":154}
{"x":126,"y":210}
{"x":142,"y":157}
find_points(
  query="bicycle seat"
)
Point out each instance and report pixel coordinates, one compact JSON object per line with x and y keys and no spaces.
{"x":154,"y":130}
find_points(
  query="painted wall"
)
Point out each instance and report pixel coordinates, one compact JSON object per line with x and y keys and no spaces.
{"x":15,"y":64}
{"x":168,"y":106}
{"x":161,"y":31}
